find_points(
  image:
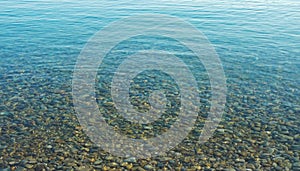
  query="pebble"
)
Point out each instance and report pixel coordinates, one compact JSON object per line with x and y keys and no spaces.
{"x":196,"y":167}
{"x":296,"y":165}
{"x":5,"y":169}
{"x":148,"y":127}
{"x":130,"y":160}
{"x":278,"y":159}
{"x":32,"y":161}
{"x":98,"y":167}
{"x":4,"y":113}
{"x":221,"y":130}
{"x":148,"y":167}
{"x":2,"y":147}
{"x":82,"y":168}
{"x":230,"y":169}
{"x":129,"y":166}
{"x":286,"y":137}
{"x":104,"y":168}
{"x":12,"y":163}
{"x":20,"y":168}
{"x":240,"y":160}
{"x":59,"y":151}
{"x":250,"y":166}
{"x":265,"y":155}
{"x":237,"y":140}
{"x":49,"y":146}
{"x":40,"y":167}
{"x":165,"y":159}
{"x":213,"y":159}
{"x":109,"y":158}
{"x":113,"y":164}
{"x":160,"y":165}
{"x":98,"y":162}
{"x":295,"y":147}
{"x":29,"y":166}
{"x":85,"y":149}
{"x":138,"y":168}
{"x":87,"y":144}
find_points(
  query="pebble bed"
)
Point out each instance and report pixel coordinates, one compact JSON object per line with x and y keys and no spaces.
{"x":39,"y":131}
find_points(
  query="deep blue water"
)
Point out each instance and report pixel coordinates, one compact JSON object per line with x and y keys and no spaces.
{"x":258,"y":43}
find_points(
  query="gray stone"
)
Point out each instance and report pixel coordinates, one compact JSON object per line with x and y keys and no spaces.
{"x":240,"y":160}
{"x":2,"y":147}
{"x":213,"y":159}
{"x":29,"y":166}
{"x":98,"y":162}
{"x":130,"y":160}
{"x":296,"y":165}
{"x":230,"y":169}
{"x":20,"y":169}
{"x":295,"y":147}
{"x":5,"y":169}
{"x":12,"y":163}
{"x":148,"y":167}
{"x":49,"y":146}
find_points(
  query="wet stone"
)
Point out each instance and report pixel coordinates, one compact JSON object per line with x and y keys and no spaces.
{"x":130,"y":160}
{"x":165,"y":158}
{"x":265,"y":155}
{"x":160,"y":165}
{"x":40,"y":167}
{"x":5,"y":169}
{"x":113,"y":164}
{"x":59,"y":151}
{"x":148,"y":167}
{"x":295,"y":147}
{"x":49,"y":146}
{"x":230,"y":169}
{"x":221,"y":130}
{"x":20,"y":168}
{"x":4,"y":113}
{"x":250,"y":166}
{"x":12,"y":163}
{"x":278,"y":159}
{"x":138,"y":168}
{"x":98,"y":162}
{"x":3,"y":147}
{"x":213,"y":159}
{"x":240,"y":160}
{"x":87,"y":145}
{"x":98,"y":167}
{"x":85,"y":149}
{"x":237,"y":140}
{"x":29,"y":166}
{"x":33,"y":161}
{"x":296,"y":165}
{"x":129,"y":166}
{"x":286,"y":137}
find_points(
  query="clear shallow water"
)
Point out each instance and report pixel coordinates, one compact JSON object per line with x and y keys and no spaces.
{"x":257,"y":42}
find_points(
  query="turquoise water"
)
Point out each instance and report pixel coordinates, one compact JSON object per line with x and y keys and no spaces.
{"x":258,"y":43}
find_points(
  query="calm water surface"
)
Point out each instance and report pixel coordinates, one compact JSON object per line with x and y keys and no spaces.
{"x":258,"y":43}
